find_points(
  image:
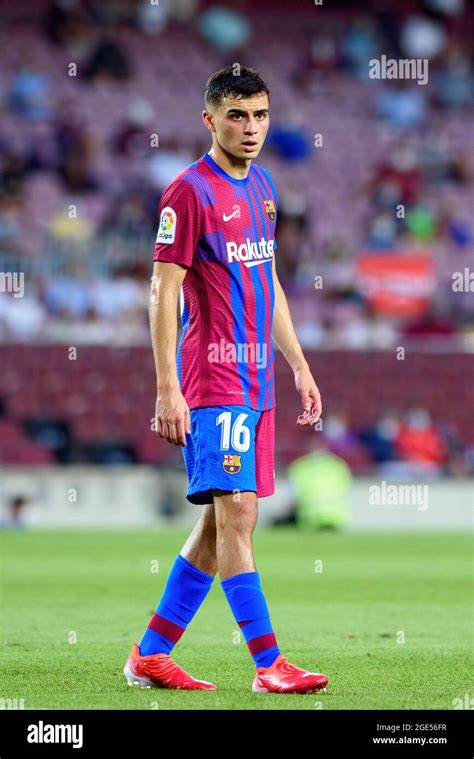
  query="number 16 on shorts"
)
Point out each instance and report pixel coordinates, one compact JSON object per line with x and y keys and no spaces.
{"x":236,"y":425}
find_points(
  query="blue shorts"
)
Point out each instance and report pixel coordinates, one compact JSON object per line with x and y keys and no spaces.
{"x":229,"y":448}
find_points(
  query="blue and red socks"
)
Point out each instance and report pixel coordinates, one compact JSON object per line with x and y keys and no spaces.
{"x":185,"y":590}
{"x":249,"y":607}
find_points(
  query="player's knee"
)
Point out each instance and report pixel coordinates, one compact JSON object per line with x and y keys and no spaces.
{"x":238,"y":515}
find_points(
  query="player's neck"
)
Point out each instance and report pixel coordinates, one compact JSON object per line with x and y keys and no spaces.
{"x":237,"y":168}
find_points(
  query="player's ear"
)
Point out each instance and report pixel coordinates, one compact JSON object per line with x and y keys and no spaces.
{"x":208,"y":120}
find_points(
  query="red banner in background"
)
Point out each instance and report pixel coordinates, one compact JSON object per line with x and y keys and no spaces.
{"x":395,"y":284}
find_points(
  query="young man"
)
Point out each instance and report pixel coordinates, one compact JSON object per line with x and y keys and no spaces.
{"x":216,"y":398}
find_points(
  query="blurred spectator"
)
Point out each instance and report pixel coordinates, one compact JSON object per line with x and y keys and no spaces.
{"x":66,"y":228}
{"x":438,"y":162}
{"x":108,"y":61}
{"x":320,"y":485}
{"x":289,"y":141}
{"x":458,"y":464}
{"x":152,"y":18}
{"x":183,"y":10}
{"x":454,"y":82}
{"x":52,"y":434}
{"x":292,"y":224}
{"x":402,"y":104}
{"x":422,"y":37}
{"x":397,"y":180}
{"x":13,"y":173}
{"x":11,"y":213}
{"x":454,"y":227}
{"x":68,"y":295}
{"x":360,"y":44}
{"x":381,"y":231}
{"x":75,"y":151}
{"x":225,"y":28}
{"x":133,"y":136}
{"x":318,"y":65}
{"x":420,"y":445}
{"x":343,"y":442}
{"x":441,"y":9}
{"x":121,"y":297}
{"x":169,"y":160}
{"x":67,"y":24}
{"x":21,"y":319}
{"x":380,"y":439}
{"x":113,"y":13}
{"x":29,"y":94}
{"x":15,"y":517}
{"x":421,"y":221}
{"x":131,"y":216}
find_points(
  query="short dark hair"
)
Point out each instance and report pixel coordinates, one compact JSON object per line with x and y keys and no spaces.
{"x":233,"y":80}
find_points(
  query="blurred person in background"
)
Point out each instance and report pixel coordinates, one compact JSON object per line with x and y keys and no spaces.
{"x":320,"y":486}
{"x":30,"y":93}
{"x":132,"y":135}
{"x":75,"y":148}
{"x":380,"y":440}
{"x":454,"y":79}
{"x":226,"y":29}
{"x":15,"y":517}
{"x":108,"y":61}
{"x":292,"y":227}
{"x":402,"y":105}
{"x":343,"y":442}
{"x":171,"y":159}
{"x":420,"y":445}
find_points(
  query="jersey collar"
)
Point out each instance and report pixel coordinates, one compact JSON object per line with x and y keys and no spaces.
{"x":215,"y":167}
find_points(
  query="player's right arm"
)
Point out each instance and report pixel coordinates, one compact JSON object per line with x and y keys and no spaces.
{"x":179,"y":230}
{"x":172,"y":417}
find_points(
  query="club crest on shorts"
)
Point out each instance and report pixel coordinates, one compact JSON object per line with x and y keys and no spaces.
{"x":231,"y":463}
{"x":270,"y":209}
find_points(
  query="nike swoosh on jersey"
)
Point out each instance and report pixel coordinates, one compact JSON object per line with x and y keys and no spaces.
{"x":231,"y":216}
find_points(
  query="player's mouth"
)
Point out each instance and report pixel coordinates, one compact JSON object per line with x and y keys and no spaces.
{"x":250,"y":145}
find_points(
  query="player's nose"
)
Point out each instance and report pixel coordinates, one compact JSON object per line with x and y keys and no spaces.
{"x":251,"y":128}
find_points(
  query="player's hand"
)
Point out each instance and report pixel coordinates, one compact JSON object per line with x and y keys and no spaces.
{"x":172,"y":417}
{"x":310,"y":397}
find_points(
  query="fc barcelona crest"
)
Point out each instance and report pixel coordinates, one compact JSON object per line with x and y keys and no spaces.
{"x":231,"y":464}
{"x":270,"y":209}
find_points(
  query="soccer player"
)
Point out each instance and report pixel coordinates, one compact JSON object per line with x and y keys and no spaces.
{"x":215,"y":394}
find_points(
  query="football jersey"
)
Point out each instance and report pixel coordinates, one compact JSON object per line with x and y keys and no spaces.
{"x":223,"y":231}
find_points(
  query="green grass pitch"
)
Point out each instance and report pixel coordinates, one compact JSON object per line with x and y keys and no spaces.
{"x":388,"y":619}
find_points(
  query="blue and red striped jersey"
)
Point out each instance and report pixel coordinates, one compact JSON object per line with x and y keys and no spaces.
{"x":223,"y":231}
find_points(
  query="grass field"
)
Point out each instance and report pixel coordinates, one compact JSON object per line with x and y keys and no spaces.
{"x":348,"y":620}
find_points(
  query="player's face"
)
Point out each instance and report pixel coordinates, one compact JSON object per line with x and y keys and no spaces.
{"x":241,"y":124}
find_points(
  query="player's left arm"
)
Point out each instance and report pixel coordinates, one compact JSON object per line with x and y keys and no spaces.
{"x":284,"y":336}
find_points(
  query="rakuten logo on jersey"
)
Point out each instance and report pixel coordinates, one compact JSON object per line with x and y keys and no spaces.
{"x":250,"y":253}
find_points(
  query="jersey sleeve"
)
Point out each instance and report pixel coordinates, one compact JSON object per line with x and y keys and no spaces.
{"x":179,"y":226}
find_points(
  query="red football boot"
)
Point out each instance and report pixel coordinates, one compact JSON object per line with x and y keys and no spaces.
{"x":283,"y":677}
{"x":160,"y":671}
